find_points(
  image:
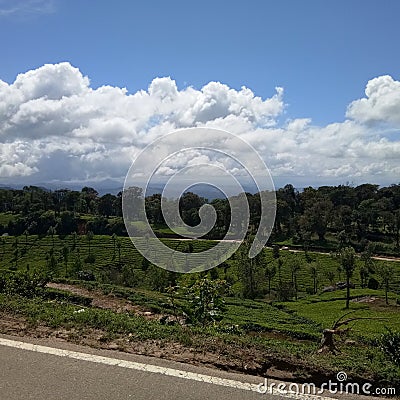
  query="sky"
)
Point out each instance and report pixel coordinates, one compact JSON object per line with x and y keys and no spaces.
{"x":312,"y":85}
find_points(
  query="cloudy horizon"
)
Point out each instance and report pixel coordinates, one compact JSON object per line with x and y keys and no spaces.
{"x":55,"y":127}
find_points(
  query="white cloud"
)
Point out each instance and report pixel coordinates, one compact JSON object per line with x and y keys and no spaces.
{"x":54,"y":126}
{"x":382,"y":102}
{"x":11,"y":8}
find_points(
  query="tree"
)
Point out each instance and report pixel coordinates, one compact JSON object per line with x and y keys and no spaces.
{"x":364,"y":275}
{"x":119,"y":244}
{"x":65,"y":253}
{"x":74,"y":237}
{"x":51,"y":232}
{"x":106,"y":205}
{"x":275,"y":251}
{"x":89,"y":237}
{"x":26,"y":233}
{"x":386,"y":273}
{"x":314,"y":276}
{"x":270,"y":273}
{"x":347,"y":262}
{"x":249,"y":269}
{"x":328,"y":342}
{"x":330,"y":275}
{"x":16,"y":252}
{"x":205,"y":300}
{"x":295,"y":267}
{"x":114,"y":238}
{"x":368,"y":264}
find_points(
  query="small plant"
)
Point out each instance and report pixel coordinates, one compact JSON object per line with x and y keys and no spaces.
{"x":86,"y":276}
{"x":205,"y":301}
{"x":390,"y":345}
{"x":90,"y":259}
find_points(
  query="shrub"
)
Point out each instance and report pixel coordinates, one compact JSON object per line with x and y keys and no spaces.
{"x":90,"y":259}
{"x":86,"y":276}
{"x":373,"y":284}
{"x":390,"y":345}
{"x":285,"y":291}
{"x":27,"y":284}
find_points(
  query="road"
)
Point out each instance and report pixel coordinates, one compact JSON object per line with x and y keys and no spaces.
{"x":33,"y":369}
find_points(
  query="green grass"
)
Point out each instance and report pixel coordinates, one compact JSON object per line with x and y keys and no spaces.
{"x":326,"y":309}
{"x":6,"y":217}
{"x":289,"y":330}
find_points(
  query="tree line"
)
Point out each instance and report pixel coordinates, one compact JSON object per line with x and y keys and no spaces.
{"x":353,"y":216}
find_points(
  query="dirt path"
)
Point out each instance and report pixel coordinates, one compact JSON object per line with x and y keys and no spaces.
{"x":382,"y":258}
{"x":108,"y":302}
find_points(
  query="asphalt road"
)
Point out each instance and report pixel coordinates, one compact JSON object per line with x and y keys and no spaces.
{"x":45,"y":369}
{"x":27,"y":374}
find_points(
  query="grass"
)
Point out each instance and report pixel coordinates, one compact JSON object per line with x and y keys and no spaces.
{"x":326,"y":309}
{"x":244,"y":344}
{"x":289,"y":331}
{"x":7,"y":217}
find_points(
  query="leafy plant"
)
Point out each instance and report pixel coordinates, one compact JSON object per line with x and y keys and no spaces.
{"x":27,"y":284}
{"x":390,"y":345}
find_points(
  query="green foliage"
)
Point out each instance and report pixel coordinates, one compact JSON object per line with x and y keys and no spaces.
{"x":204,"y":301}
{"x":90,"y":259}
{"x":26,"y":284}
{"x":390,"y":345}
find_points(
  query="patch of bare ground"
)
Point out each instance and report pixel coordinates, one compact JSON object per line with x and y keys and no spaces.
{"x":365,"y":299}
{"x":211,"y":353}
{"x":376,"y":303}
{"x":107,"y":302}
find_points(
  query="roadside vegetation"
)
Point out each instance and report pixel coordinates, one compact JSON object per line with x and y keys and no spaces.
{"x":68,"y":270}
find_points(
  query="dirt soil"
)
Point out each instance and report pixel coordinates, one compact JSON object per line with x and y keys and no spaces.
{"x":108,"y":302}
{"x":212,"y":352}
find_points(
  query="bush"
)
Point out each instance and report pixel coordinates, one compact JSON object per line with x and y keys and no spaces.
{"x":86,"y":276}
{"x":27,"y":284}
{"x":390,"y":345}
{"x":373,"y":284}
{"x":285,"y":291}
{"x":90,"y":259}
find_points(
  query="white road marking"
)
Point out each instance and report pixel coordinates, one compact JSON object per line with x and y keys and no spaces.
{"x":155,"y":369}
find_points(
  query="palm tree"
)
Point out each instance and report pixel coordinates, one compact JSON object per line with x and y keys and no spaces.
{"x":314,"y":276}
{"x":65,"y":254}
{"x":3,"y":245}
{"x":114,"y":238}
{"x":119,"y":251}
{"x":16,"y":252}
{"x":26,"y":233}
{"x":74,"y":237}
{"x":347,"y":262}
{"x":270,"y":273}
{"x":51,"y":232}
{"x":330,"y":275}
{"x":294,"y":269}
{"x":386,"y":272}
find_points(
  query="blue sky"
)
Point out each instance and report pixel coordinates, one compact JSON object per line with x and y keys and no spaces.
{"x":322,"y":53}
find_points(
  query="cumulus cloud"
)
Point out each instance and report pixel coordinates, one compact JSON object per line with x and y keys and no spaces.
{"x":55,"y":126}
{"x":382,"y":102}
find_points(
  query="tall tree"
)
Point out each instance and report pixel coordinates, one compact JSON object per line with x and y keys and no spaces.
{"x":386,"y":273}
{"x":270,"y":272}
{"x":65,"y":254}
{"x":347,"y":262}
{"x":249,"y":268}
{"x":89,"y":237}
{"x":295,"y":267}
{"x":314,"y":276}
